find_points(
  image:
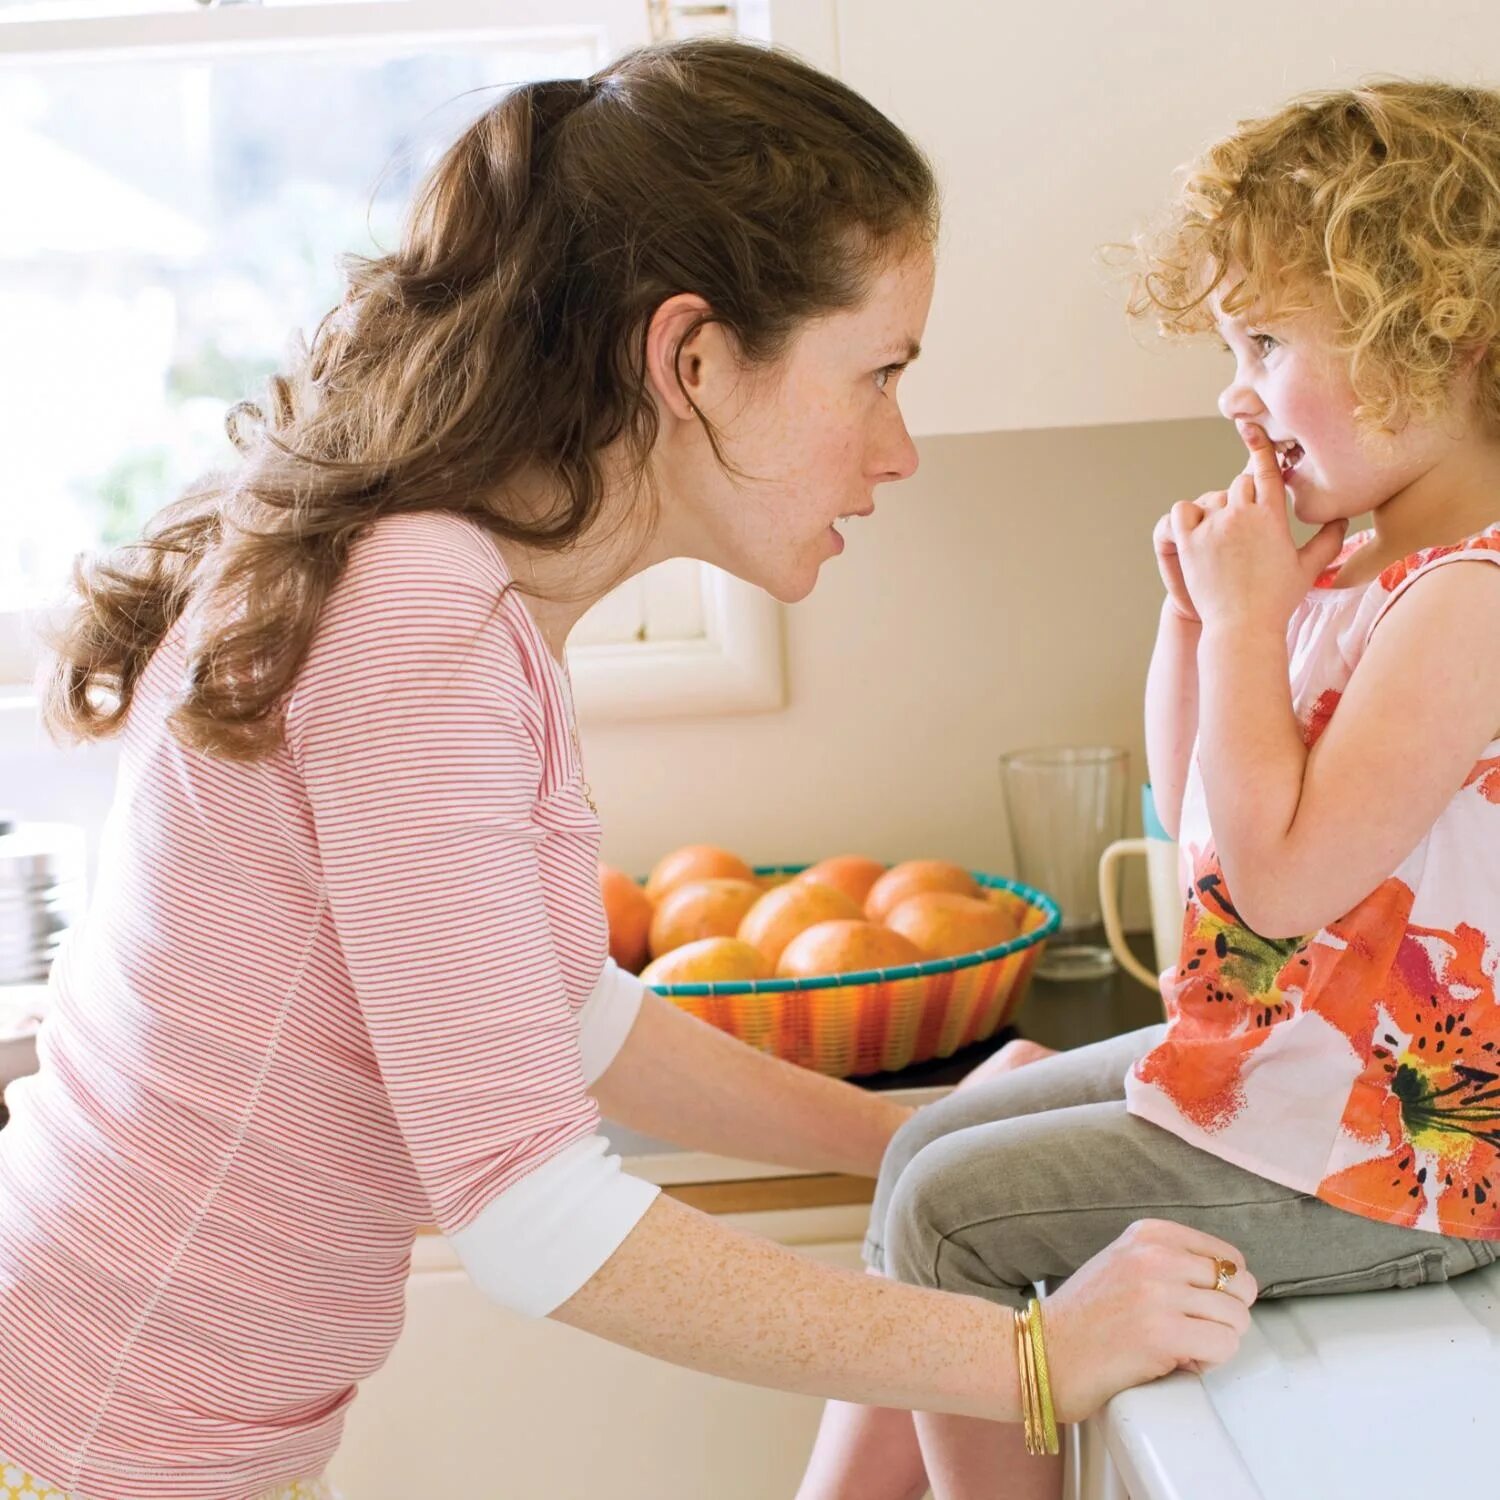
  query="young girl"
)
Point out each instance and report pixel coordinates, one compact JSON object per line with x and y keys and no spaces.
{"x":344,"y":972}
{"x":1326,"y":1091}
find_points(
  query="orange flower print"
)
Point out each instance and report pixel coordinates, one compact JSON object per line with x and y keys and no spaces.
{"x":1203,"y":1078}
{"x":1392,"y":578}
{"x":1318,"y":716}
{"x":1341,"y":974}
{"x":1225,"y":967}
{"x":1430,"y":1092}
{"x":1230,"y":987}
{"x":1329,"y":576}
{"x":1486,"y":776}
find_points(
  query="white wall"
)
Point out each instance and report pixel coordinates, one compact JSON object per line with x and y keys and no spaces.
{"x":1055,"y":129}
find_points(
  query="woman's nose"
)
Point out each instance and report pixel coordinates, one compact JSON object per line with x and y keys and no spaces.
{"x":898,"y":455}
{"x":902,"y":459}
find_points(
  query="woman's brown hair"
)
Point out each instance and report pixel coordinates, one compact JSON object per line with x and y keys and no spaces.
{"x":505,"y":334}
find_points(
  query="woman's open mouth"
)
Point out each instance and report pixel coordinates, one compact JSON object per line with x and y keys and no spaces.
{"x":844,"y":519}
{"x":1288,"y":456}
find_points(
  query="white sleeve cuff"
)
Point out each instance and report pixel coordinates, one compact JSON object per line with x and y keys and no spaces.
{"x":606,"y":1018}
{"x":541,"y":1239}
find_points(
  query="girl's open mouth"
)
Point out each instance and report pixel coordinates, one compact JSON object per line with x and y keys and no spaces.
{"x":1288,"y":456}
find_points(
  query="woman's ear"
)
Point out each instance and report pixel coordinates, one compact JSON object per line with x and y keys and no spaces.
{"x":687,"y":355}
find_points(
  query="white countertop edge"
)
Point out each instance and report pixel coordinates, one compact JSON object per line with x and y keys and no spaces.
{"x":1168,"y":1443}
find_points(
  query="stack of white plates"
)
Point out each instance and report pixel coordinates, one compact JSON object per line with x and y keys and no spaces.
{"x":22,"y":1007}
{"x":41,"y":894}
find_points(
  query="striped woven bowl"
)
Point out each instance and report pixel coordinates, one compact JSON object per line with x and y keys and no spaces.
{"x":879,"y":1020}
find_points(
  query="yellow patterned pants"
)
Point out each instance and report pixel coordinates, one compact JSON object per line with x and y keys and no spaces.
{"x":17,"y":1484}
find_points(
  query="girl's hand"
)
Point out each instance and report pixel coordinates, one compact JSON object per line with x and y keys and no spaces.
{"x":1141,"y":1308}
{"x":1170,"y":568}
{"x":1169,"y":562}
{"x":1238,"y":557}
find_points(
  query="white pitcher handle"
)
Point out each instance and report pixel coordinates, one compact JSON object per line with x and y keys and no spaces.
{"x":1109,"y":905}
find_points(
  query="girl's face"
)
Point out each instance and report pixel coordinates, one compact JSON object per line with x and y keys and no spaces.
{"x":807,"y":440}
{"x":1291,"y":381}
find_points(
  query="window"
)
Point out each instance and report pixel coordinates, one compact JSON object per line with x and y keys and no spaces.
{"x":179,"y":182}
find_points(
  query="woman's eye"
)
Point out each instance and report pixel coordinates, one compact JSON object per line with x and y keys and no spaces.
{"x":884,"y":376}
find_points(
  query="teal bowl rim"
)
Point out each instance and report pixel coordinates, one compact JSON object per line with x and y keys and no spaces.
{"x":1036,"y":898}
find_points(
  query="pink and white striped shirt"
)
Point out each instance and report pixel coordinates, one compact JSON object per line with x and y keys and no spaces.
{"x":317,"y":1001}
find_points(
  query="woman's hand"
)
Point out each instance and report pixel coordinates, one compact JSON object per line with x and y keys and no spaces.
{"x":1239,"y":561}
{"x":1142,"y":1307}
{"x":1014,"y":1054}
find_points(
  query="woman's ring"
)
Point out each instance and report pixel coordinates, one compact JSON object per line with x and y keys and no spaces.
{"x":1224,"y":1272}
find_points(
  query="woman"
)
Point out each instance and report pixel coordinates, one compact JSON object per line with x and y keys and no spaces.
{"x":344,"y":971}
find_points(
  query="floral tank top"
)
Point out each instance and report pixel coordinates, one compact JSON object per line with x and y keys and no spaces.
{"x":1360,"y":1063}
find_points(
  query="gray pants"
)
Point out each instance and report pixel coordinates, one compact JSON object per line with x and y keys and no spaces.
{"x":1028,"y":1176}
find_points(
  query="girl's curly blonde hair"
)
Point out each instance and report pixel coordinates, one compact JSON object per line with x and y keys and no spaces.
{"x":1379,"y":206}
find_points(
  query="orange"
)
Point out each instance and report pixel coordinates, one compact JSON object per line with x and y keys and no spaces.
{"x":911,"y":879}
{"x":944,"y":925}
{"x":713,"y":960}
{"x":1021,"y":912}
{"x":695,"y":862}
{"x":781,"y":914}
{"x":844,"y":947}
{"x":701,"y":909}
{"x":628,"y":910}
{"x":852,"y":874}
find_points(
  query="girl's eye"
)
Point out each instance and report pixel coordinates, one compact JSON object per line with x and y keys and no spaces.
{"x":1264,"y":343}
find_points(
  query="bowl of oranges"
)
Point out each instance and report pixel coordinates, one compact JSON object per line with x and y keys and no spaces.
{"x":847,"y":966}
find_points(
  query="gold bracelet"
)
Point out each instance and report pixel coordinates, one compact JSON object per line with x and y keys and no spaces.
{"x":1038,"y":1422}
{"x":1043,"y":1377}
{"x":1021,"y":1342}
{"x":1031,"y":1411}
